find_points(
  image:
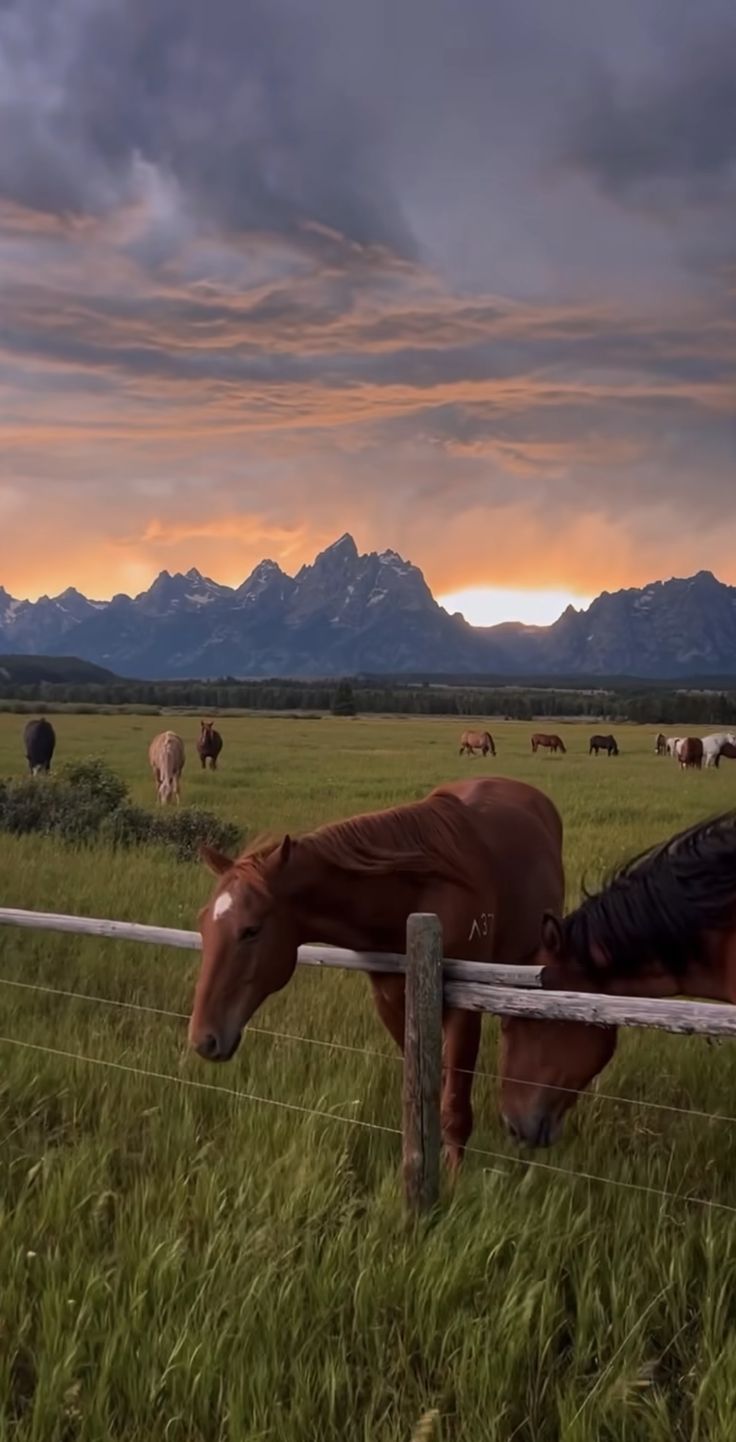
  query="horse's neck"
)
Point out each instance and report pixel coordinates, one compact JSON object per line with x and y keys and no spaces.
{"x":358,"y":910}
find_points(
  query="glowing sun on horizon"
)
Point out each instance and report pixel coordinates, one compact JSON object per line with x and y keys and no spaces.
{"x":489,"y":605}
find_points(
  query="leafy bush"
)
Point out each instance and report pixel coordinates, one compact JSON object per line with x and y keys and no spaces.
{"x":88,"y":802}
{"x":191,"y":827}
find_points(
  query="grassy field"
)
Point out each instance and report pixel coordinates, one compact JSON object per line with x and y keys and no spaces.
{"x":191,"y":1266}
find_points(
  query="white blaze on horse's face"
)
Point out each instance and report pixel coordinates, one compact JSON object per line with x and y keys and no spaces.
{"x":222,"y":905}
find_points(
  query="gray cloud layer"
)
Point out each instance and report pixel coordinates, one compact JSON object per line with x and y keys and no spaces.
{"x":436,"y":248}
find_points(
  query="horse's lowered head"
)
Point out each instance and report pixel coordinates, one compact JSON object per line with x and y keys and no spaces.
{"x":249,"y":946}
{"x":546,"y":1064}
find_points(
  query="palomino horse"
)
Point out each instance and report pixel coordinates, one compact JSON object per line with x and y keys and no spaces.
{"x":485,"y":855}
{"x":603,"y":743}
{"x":690,"y":753}
{"x":552,"y":743}
{"x":665,"y":925}
{"x":166,"y":757}
{"x":209,"y":744}
{"x":472,"y":741}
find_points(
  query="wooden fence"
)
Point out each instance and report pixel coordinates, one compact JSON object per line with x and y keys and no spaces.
{"x":431,"y":981}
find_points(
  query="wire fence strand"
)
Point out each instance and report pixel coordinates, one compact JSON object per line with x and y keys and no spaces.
{"x":373,"y":1053}
{"x":526,"y":1162}
{"x":200,"y":1086}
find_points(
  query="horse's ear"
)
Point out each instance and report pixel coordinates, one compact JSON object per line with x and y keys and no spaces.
{"x":215,"y":860}
{"x":285,"y":851}
{"x":551,"y":933}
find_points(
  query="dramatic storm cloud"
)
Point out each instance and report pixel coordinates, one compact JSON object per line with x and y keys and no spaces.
{"x":457,"y":278}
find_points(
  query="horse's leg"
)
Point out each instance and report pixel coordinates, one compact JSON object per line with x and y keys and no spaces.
{"x":459,"y":1054}
{"x":388,"y":996}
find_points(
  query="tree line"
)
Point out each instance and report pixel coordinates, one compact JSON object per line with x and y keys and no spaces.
{"x":655,"y":706}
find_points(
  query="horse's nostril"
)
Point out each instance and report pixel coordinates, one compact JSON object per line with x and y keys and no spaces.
{"x":208,"y":1047}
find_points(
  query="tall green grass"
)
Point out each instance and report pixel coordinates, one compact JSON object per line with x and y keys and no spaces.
{"x":192,"y":1266}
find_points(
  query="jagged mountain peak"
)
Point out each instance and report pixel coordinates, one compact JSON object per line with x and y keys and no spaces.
{"x":350,"y":612}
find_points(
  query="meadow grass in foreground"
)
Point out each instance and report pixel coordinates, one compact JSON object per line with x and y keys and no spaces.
{"x":178,"y":1262}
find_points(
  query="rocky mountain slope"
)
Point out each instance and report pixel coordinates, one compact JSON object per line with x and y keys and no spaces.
{"x":349,"y":613}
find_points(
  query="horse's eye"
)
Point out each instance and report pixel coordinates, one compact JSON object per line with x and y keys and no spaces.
{"x":248,"y":933}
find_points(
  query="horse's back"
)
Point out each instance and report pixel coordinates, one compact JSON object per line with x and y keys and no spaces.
{"x":493,"y":795}
{"x":166,"y":753}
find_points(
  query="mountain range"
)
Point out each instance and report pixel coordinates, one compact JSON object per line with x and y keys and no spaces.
{"x":348,"y":613}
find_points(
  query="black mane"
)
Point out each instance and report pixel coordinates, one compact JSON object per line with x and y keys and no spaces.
{"x":658,"y":905}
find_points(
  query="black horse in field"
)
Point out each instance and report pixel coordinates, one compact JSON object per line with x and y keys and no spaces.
{"x":603,"y":743}
{"x":39,"y":739}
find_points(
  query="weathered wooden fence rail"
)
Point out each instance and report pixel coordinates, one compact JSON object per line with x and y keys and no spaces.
{"x":432,"y":981}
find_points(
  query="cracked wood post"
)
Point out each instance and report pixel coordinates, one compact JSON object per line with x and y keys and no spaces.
{"x":422,"y":1062}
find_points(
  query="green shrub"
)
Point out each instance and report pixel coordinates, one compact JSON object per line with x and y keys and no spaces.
{"x":87,"y":802}
{"x":189,"y":828}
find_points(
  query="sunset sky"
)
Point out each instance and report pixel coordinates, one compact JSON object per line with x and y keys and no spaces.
{"x":456,"y":277}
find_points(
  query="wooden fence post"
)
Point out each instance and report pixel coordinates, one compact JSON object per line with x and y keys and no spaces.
{"x":422,"y":1062}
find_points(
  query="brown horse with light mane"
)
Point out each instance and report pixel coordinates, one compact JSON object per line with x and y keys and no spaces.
{"x":551,"y":743}
{"x":665,"y":925}
{"x":484,"y":855}
{"x":472,"y":741}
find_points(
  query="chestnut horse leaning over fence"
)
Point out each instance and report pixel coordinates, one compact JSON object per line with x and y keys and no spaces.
{"x":551,"y":743}
{"x":665,"y":925}
{"x":484,"y":855}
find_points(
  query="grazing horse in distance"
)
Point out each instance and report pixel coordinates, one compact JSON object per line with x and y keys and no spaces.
{"x":552,"y":743}
{"x":39,"y":739}
{"x":484,"y":855}
{"x":472,"y":741}
{"x":690,"y":753}
{"x":712,"y":746}
{"x":671,"y":744}
{"x":664,"y":925}
{"x":166,"y":756}
{"x":209,"y":745}
{"x":603,"y":743}
{"x":660,"y":745}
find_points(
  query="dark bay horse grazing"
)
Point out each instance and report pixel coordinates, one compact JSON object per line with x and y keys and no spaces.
{"x":484,"y":855}
{"x":665,"y":925}
{"x":660,"y":745}
{"x":209,"y":745}
{"x":690,"y":753}
{"x":552,"y":743}
{"x":39,"y":739}
{"x":603,"y":743}
{"x":472,"y":741}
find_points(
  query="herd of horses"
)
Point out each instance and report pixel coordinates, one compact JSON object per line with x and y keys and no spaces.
{"x":472,"y":742}
{"x":166,"y":754}
{"x":484,"y":855}
{"x":693,"y":752}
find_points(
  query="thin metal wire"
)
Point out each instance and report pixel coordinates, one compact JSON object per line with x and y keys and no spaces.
{"x":200,"y":1086}
{"x":595,"y":1177}
{"x":379,"y":1055}
{"x":358,"y":1122}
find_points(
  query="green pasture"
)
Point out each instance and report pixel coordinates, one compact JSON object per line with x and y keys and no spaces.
{"x":180,"y":1261}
